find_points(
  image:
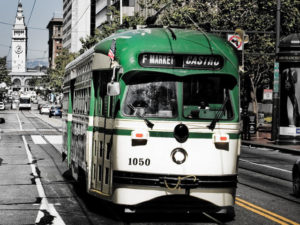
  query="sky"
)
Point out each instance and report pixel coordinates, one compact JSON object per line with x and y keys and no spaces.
{"x":37,"y":14}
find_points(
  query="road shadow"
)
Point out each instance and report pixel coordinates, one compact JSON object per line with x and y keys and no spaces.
{"x":162,"y":210}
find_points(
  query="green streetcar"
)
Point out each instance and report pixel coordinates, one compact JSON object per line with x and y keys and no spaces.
{"x":152,"y":115}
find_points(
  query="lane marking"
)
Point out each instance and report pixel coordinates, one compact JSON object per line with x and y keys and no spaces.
{"x":54,"y":139}
{"x":270,"y":167}
{"x":38,"y":140}
{"x":57,"y":220}
{"x":265,"y":213}
{"x":20,"y":124}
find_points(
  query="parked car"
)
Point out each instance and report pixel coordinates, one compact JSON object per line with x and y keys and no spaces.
{"x":2,"y":106}
{"x":296,"y":178}
{"x":44,"y":109}
{"x":55,"y":111}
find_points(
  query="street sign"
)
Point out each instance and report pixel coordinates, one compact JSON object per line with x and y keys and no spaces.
{"x":268,"y":94}
{"x":236,"y":41}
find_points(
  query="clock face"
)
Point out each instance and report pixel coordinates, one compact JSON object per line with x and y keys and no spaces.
{"x":19,"y":49}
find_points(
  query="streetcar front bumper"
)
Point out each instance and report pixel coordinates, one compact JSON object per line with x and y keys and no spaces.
{"x":174,"y":181}
{"x":136,"y":188}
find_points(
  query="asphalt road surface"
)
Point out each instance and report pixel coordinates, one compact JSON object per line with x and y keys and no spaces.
{"x":36,"y":188}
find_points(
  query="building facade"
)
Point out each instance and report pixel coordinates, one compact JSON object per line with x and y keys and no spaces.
{"x":19,"y":42}
{"x":55,"y":40}
{"x":82,"y":17}
{"x":129,"y":7}
{"x":78,"y":22}
{"x":19,"y":74}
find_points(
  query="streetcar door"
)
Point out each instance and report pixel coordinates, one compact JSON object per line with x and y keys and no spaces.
{"x":98,"y":135}
{"x":107,"y":168}
{"x":101,"y":164}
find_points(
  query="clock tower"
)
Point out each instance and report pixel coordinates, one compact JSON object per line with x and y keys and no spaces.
{"x":19,"y":42}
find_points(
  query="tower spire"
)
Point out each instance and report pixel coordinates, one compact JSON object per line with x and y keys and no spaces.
{"x":19,"y":42}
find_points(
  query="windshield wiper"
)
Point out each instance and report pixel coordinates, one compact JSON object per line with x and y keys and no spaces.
{"x":218,"y":116}
{"x":148,"y":123}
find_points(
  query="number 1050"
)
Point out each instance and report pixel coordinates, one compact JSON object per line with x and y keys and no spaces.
{"x":139,"y":162}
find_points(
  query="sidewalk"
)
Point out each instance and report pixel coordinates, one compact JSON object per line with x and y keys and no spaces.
{"x":263,"y":139}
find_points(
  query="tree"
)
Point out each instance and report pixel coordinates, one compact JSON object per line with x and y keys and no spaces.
{"x":256,"y":17}
{"x":3,"y":72}
{"x":56,"y":75}
{"x":110,"y":27}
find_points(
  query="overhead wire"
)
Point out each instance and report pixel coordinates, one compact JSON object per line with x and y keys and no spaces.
{"x":210,"y":40}
{"x":31,"y":12}
{"x":28,"y":22}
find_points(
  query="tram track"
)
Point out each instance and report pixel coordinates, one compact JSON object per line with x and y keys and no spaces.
{"x":31,"y":117}
{"x":266,"y":170}
{"x":84,"y":201}
{"x":62,"y":171}
{"x":266,"y":176}
{"x":83,"y":204}
{"x":38,"y":131}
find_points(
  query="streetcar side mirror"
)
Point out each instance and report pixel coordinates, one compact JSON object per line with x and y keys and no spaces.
{"x":113,"y":88}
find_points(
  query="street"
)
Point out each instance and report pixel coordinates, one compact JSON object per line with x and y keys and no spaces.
{"x":36,"y":188}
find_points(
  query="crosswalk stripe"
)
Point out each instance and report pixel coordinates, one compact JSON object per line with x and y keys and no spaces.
{"x":38,"y":140}
{"x":54,"y":139}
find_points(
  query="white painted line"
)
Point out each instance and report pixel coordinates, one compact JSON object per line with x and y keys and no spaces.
{"x":44,"y":203}
{"x":270,"y":167}
{"x":21,"y":128}
{"x":38,"y":140}
{"x":57,"y":220}
{"x":54,"y":139}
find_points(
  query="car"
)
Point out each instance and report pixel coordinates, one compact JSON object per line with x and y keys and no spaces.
{"x":34,"y":100}
{"x":2,"y":106}
{"x":296,"y":178}
{"x":55,"y":111}
{"x":44,"y":109}
{"x":40,"y":104}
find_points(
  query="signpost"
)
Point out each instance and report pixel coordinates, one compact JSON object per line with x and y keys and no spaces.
{"x":268,"y":94}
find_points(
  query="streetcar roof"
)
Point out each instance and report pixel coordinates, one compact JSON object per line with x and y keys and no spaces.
{"x":99,"y":61}
{"x":131,"y":43}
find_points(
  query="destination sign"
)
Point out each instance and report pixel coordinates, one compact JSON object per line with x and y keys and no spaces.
{"x":181,"y":61}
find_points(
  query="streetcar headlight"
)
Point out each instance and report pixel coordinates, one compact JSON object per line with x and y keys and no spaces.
{"x":179,"y":155}
{"x":221,"y":141}
{"x":139,"y":137}
{"x":181,"y":133}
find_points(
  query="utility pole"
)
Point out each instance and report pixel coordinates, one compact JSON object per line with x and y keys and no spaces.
{"x":278,"y":25}
{"x":276,"y":97}
{"x":121,"y":12}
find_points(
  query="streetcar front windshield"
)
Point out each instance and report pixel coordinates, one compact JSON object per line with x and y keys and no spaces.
{"x":207,"y":97}
{"x":24,"y":100}
{"x":151,"y":99}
